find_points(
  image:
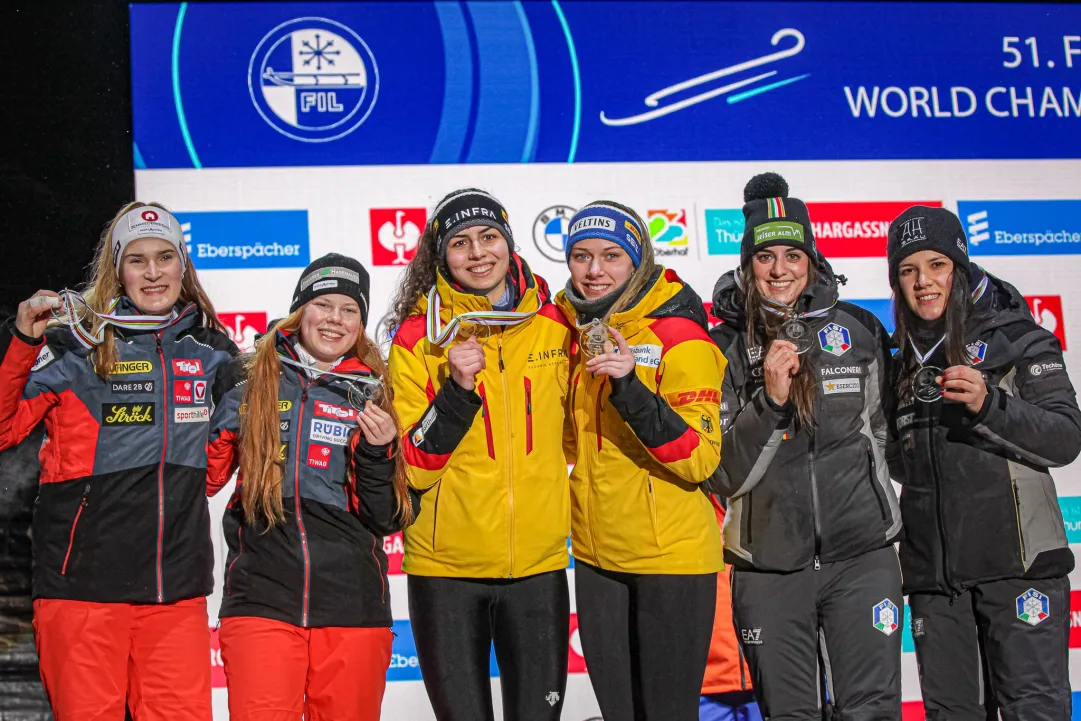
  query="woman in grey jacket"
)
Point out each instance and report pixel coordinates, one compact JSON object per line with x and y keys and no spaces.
{"x":812,"y":514}
{"x":985,"y":407}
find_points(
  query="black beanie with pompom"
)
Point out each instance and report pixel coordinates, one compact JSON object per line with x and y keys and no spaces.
{"x":772,"y":218}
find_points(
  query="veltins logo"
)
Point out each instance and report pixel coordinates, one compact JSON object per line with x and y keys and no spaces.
{"x":855,"y":230}
{"x":724,"y":231}
{"x":1022,"y":227}
{"x":668,"y":229}
{"x":395,"y":234}
{"x":313,"y":79}
{"x":231,"y":239}
{"x":550,"y":231}
{"x":243,"y":327}
{"x":1047,"y":310}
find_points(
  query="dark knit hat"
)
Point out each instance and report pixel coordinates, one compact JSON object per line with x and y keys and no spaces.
{"x":772,"y":218}
{"x":466,"y":209}
{"x":922,"y":228}
{"x":333,"y":273}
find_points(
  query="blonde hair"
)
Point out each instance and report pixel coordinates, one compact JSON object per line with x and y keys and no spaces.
{"x":261,"y":466}
{"x":104,"y":285}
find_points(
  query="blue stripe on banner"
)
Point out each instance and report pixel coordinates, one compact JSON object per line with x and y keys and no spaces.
{"x":881,"y":307}
{"x":457,"y":84}
{"x":529,"y":148}
{"x":404,"y":665}
{"x":503,"y":103}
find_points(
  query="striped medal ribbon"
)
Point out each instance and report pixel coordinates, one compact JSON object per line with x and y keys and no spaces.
{"x":361,"y":388}
{"x":74,"y":308}
{"x":444,"y":335}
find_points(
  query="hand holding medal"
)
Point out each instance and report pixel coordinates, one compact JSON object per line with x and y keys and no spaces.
{"x":34,"y":313}
{"x":615,"y":363}
{"x":595,"y":338}
{"x":964,"y":384}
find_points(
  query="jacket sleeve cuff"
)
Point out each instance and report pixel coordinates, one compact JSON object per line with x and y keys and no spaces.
{"x":458,"y":403}
{"x":766,"y":406}
{"x":374,"y":453}
{"x":629,"y":395}
{"x":29,"y":340}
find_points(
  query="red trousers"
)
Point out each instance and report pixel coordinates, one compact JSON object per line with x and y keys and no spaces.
{"x":96,"y":657}
{"x":278,"y":672}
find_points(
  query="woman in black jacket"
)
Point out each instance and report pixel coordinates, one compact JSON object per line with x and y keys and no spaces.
{"x":985,"y":407}
{"x":306,"y":618}
{"x":812,"y":514}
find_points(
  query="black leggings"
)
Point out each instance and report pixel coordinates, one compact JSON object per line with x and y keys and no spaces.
{"x":646,"y":640}
{"x":455,"y":622}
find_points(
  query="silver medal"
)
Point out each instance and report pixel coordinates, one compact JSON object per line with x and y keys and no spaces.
{"x":360,"y":392}
{"x":798,"y":333}
{"x":924,"y":385}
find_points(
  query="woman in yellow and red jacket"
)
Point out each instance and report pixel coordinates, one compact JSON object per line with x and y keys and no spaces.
{"x":647,"y":433}
{"x":480,"y":367}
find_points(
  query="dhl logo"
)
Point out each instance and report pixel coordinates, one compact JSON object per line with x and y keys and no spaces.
{"x":699,"y":395}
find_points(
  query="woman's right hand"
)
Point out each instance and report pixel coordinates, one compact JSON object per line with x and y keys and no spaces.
{"x":466,"y":361}
{"x":35,"y":312}
{"x":781,"y":363}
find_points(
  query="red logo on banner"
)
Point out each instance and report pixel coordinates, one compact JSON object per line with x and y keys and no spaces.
{"x":395,"y":234}
{"x":1047,"y":310}
{"x":243,"y":327}
{"x":576,"y":662}
{"x":182,"y":392}
{"x":394,"y":547}
{"x":217,"y":668}
{"x":856,"y":230}
{"x":708,"y":305}
{"x":1075,"y":619}
{"x":319,"y":456}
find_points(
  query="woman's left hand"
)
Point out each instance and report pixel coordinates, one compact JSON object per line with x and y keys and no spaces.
{"x":964,"y":385}
{"x":615,"y":365}
{"x":376,"y":425}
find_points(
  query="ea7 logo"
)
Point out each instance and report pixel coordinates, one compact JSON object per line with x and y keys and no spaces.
{"x":695,"y":395}
{"x":187,"y":367}
{"x":751,"y":636}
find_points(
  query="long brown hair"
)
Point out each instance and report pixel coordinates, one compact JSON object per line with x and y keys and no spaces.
{"x":261,"y":465}
{"x":642,"y":274}
{"x":104,"y":285}
{"x":958,"y":306}
{"x":804,"y":386}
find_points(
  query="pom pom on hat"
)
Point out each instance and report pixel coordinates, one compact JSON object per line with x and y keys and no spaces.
{"x":766,"y":185}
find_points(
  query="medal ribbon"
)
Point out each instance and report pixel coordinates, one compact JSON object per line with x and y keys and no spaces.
{"x":368,"y":380}
{"x":443,"y":335}
{"x":783,"y":309}
{"x":73,"y":306}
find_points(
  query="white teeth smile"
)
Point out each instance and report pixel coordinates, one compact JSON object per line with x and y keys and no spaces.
{"x":330,"y":335}
{"x":155,"y":289}
{"x":596,"y":287}
{"x":928,"y":298}
{"x":481,"y":269}
{"x":780,"y":284}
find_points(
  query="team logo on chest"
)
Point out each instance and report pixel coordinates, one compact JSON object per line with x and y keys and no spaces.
{"x":1033,"y":607}
{"x":977,"y":351}
{"x":884,"y":616}
{"x":835,"y":339}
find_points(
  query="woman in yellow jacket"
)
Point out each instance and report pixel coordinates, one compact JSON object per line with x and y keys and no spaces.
{"x":480,"y":367}
{"x":646,"y":403}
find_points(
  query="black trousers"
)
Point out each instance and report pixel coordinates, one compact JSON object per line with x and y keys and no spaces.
{"x":645,"y":638}
{"x":999,"y":648}
{"x":841,"y":623}
{"x":455,"y":623}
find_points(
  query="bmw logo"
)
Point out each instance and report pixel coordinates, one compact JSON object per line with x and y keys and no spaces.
{"x":550,"y":231}
{"x":313,"y":79}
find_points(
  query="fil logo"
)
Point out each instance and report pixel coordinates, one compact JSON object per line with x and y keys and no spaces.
{"x":1047,"y":311}
{"x":978,"y":227}
{"x":395,"y":234}
{"x":550,"y":231}
{"x":313,"y":79}
{"x":653,"y":100}
{"x":243,"y":327}
{"x":912,"y":231}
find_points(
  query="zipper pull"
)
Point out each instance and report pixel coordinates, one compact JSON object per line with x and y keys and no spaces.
{"x":818,"y":566}
{"x":501,"y":366}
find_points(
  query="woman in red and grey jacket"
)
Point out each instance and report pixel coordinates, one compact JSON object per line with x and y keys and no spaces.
{"x":122,"y":555}
{"x":306,"y":610}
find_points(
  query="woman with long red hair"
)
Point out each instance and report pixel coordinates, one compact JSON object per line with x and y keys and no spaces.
{"x":305,"y":628}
